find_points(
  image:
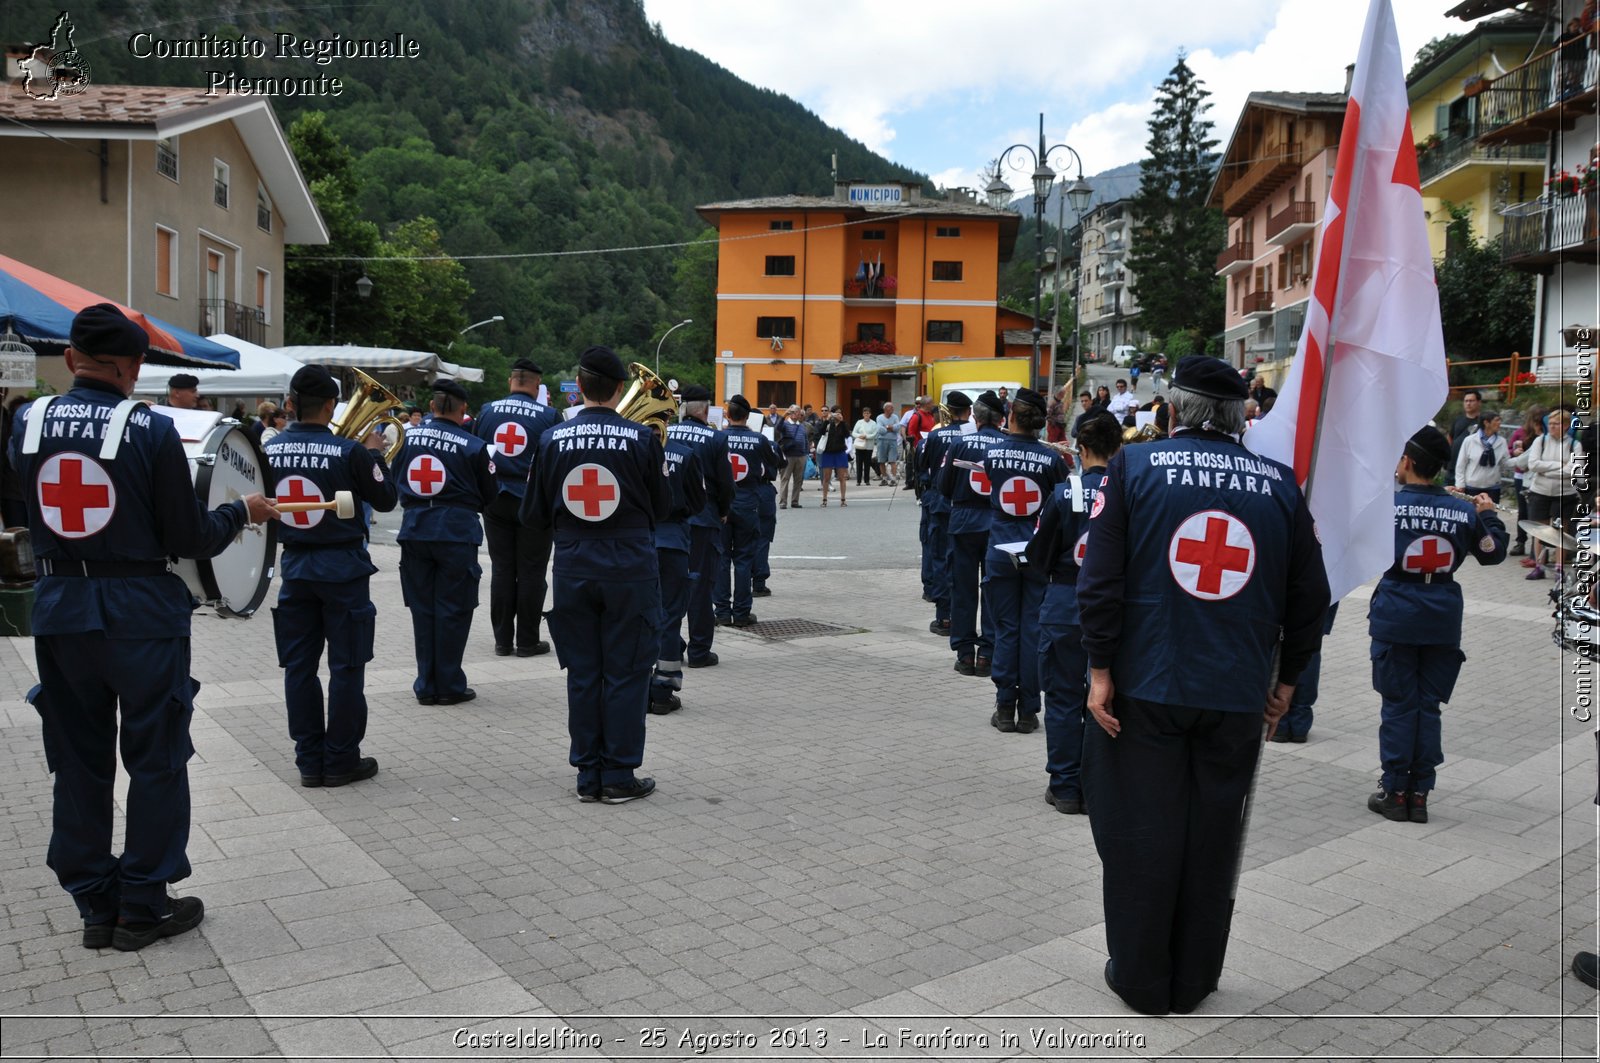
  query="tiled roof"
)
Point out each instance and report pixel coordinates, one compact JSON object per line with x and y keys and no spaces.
{"x":107,"y":104}
{"x":1023,"y":337}
{"x":1299,"y":101}
{"x":942,"y":207}
{"x":864,"y":365}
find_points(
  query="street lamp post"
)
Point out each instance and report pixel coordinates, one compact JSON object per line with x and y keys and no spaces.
{"x":1043,"y":177}
{"x":475,"y":324}
{"x":363,"y":289}
{"x":664,"y":335}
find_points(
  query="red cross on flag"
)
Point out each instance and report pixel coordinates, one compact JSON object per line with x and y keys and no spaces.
{"x":1428,"y":555}
{"x":300,"y":489}
{"x":511,"y":439}
{"x":741,"y":468}
{"x":426,"y":475}
{"x":1020,"y":497}
{"x":1212,"y":555}
{"x":76,"y":495}
{"x":1080,"y":550}
{"x":978,"y":480}
{"x":591,"y":492}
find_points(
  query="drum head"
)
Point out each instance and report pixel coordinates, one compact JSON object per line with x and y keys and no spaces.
{"x":229,"y":465}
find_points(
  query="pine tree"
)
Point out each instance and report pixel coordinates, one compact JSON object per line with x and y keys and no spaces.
{"x":1177,"y":236}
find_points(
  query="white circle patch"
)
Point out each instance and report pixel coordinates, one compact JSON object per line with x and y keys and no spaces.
{"x":1428,"y":555}
{"x":426,"y":475}
{"x":591,"y":492}
{"x":76,"y":495}
{"x":1020,"y":497}
{"x":978,"y":480}
{"x":1080,"y":549}
{"x":741,"y":467}
{"x":1212,"y":555}
{"x":510,"y":439}
{"x":300,"y":489}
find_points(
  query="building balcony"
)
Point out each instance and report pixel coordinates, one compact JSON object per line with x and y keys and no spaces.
{"x":1445,"y":168}
{"x":865,"y":293}
{"x":1563,"y":229}
{"x":1235,"y":258}
{"x":1291,"y":224}
{"x":1278,"y":163}
{"x":1115,"y":278}
{"x":1542,"y":96}
{"x":241,"y":322}
{"x":1258,"y":305}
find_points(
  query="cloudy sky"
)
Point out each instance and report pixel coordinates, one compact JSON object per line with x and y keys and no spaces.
{"x":944,"y":86}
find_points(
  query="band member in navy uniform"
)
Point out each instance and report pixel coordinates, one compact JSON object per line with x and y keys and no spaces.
{"x":1023,"y":473}
{"x":1058,"y":549}
{"x":599,"y":484}
{"x":324,"y":596}
{"x":754,"y":461}
{"x":936,"y":509}
{"x":446,"y":478}
{"x":766,"y":519}
{"x":965,"y":482}
{"x":673,"y":543}
{"x":518,"y":556}
{"x":1415,"y":621}
{"x":1206,"y":551}
{"x":705,"y":528}
{"x":110,"y":499}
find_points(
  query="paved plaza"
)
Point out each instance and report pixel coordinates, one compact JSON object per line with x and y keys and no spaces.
{"x":841,"y":847}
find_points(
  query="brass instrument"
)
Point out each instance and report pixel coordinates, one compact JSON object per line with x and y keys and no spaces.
{"x":945,"y":416}
{"x":1147,"y":434}
{"x":367,"y":408}
{"x":649,"y":401}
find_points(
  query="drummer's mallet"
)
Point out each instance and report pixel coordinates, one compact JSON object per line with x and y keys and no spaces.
{"x":343,"y":505}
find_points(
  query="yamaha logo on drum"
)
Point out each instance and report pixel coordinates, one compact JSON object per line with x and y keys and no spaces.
{"x":240,"y":462}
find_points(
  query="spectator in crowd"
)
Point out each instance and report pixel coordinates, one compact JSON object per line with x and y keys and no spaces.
{"x":276,"y":422}
{"x":237,"y":413}
{"x":1086,"y":407}
{"x":792,"y":447}
{"x":1482,"y":457}
{"x":264,"y":411}
{"x":916,"y":425}
{"x":1532,"y":428}
{"x":1252,"y":413}
{"x":1122,"y":403}
{"x":1462,"y":426}
{"x":888,"y":447}
{"x":1102,"y":397}
{"x":1552,"y":494}
{"x":833,"y":453}
{"x":1055,"y":418}
{"x":866,"y":435}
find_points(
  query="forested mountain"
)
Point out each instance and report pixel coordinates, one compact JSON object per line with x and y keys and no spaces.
{"x":525,"y":126}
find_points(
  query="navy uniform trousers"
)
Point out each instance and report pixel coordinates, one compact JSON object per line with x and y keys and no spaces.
{"x":766,"y":530}
{"x":1296,"y":723}
{"x":1412,"y":681}
{"x":966,"y":574}
{"x":1012,"y":599}
{"x":1165,"y":799}
{"x":936,"y":561}
{"x":675,"y":584}
{"x":440,"y":583}
{"x":79,"y":706}
{"x":705,"y":561}
{"x":309,"y":613}
{"x":741,"y":543}
{"x":1063,"y":674}
{"x":608,"y":632}
{"x":519,"y":557}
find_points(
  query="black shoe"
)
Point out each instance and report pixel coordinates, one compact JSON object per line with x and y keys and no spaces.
{"x":621,"y":795}
{"x":455,"y":699}
{"x":708,"y":661}
{"x":1027,"y":723}
{"x":186,"y":914}
{"x":965,"y":666}
{"x":1419,"y":807}
{"x":981,"y":667}
{"x":365,"y":769}
{"x":1390,"y":805}
{"x":98,"y":936}
{"x":502,"y":650}
{"x":1518,"y":551}
{"x":744,"y":621}
{"x":671,"y":703}
{"x":1068,"y":806}
{"x":940,"y":627}
{"x":724,"y":621}
{"x":761,"y":592}
{"x":1004,"y":718}
{"x":538,"y":649}
{"x":927,"y":597}
{"x":1298,"y":740}
{"x":427,"y":699}
{"x":1586,"y":965}
{"x":794,"y":505}
{"x":589,"y":797}
{"x":311,"y":782}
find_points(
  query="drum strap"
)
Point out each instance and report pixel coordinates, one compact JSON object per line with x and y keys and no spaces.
{"x":1077,"y":493}
{"x":114,"y":429}
{"x":35,"y":429}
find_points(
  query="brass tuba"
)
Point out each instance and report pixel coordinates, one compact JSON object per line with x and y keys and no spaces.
{"x":945,"y":416}
{"x":367,"y":408}
{"x":649,"y":401}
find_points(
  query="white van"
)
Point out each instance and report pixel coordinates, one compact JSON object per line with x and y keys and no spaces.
{"x":1123,"y":355}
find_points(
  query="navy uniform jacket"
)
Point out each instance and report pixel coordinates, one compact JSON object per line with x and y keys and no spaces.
{"x":1434,"y":531}
{"x":599,"y":485}
{"x":1023,"y":473}
{"x":968,"y":489}
{"x":309,"y":464}
{"x":688,"y":486}
{"x":935,"y":447}
{"x":1198,"y":545}
{"x":711,"y":451}
{"x":753,"y":460}
{"x":139,"y":506}
{"x":511,"y":426}
{"x":1059,"y":546}
{"x":446,"y":478}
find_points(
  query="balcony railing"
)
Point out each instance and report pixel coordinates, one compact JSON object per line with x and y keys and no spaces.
{"x":1278,"y":163}
{"x":1453,"y":150}
{"x":883,"y":289}
{"x":1258,"y":303}
{"x":1526,"y":103}
{"x":241,"y":322}
{"x":1300,"y":212}
{"x":1564,"y":227}
{"x":1237,"y":257}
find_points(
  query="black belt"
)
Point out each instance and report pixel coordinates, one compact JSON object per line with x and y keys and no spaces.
{"x":1400,"y":576}
{"x":100,"y":569}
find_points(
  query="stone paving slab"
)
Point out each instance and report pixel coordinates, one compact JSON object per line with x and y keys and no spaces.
{"x":839,"y":842}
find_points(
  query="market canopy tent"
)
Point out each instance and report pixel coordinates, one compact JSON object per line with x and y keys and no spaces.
{"x":261,"y":372}
{"x":39,"y":307}
{"x":410,"y":366}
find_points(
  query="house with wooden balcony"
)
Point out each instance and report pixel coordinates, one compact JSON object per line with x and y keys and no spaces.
{"x":1271,"y":186}
{"x":1548,"y":104}
{"x":847,"y":298}
{"x":169,"y":200}
{"x":1109,"y":292}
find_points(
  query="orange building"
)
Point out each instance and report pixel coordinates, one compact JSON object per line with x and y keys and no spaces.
{"x":845,"y":299}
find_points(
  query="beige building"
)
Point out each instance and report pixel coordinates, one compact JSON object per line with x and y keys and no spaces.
{"x":1109,"y":301}
{"x":168,"y":200}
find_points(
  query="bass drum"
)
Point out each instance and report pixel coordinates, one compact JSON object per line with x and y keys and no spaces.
{"x":226,"y":463}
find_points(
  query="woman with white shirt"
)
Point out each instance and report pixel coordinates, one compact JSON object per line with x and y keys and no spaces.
{"x":866,"y":433}
{"x":1551,"y":491}
{"x":1483,"y":458}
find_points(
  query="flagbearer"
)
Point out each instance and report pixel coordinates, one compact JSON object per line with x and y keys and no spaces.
{"x":1415,"y":621}
{"x":324,"y":596}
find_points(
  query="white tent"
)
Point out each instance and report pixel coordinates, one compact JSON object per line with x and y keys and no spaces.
{"x":262,"y":373}
{"x":388,"y":361}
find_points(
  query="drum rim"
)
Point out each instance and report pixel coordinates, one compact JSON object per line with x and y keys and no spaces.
{"x":202,"y":490}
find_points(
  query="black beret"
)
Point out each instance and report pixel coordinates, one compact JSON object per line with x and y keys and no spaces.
{"x":695,"y":393}
{"x":526,"y":366}
{"x":958,"y":400}
{"x":1429,"y":449}
{"x":314,"y":382}
{"x":104,"y":330}
{"x":1029,"y":397}
{"x":1211,"y":377}
{"x":179,"y":381}
{"x":991,"y":400}
{"x":741,"y":402}
{"x":603,"y":362}
{"x":445,"y":386}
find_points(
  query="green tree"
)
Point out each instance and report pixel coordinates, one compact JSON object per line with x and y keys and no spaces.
{"x":1431,"y":51}
{"x":1177,"y":236}
{"x":320,"y":298}
{"x":1486,"y":306}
